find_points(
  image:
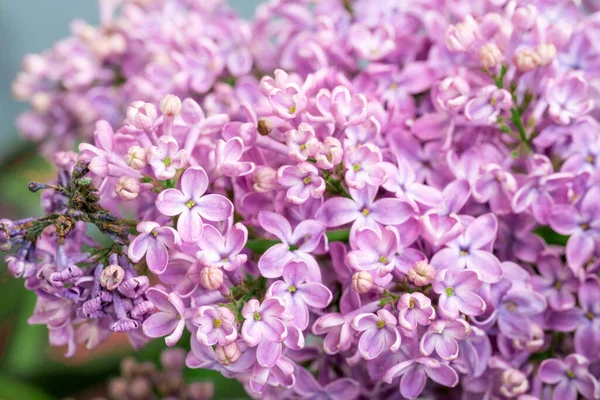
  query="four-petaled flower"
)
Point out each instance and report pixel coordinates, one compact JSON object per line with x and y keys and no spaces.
{"x":192,"y":205}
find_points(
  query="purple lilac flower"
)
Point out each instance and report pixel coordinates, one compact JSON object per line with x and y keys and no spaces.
{"x":379,"y":332}
{"x":192,"y":205}
{"x":457,"y":293}
{"x":298,"y":293}
{"x":571,"y":376}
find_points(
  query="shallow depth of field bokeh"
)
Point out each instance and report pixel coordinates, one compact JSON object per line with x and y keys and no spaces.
{"x":29,"y":368}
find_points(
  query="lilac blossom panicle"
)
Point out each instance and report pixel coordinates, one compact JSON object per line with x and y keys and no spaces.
{"x":333,"y":200}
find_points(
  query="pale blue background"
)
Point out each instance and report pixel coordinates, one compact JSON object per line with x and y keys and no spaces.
{"x":30,"y":26}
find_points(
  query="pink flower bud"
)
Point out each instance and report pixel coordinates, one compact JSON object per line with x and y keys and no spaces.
{"x":524,"y":17}
{"x":21,"y":88}
{"x":127,"y":188}
{"x":170,"y":105}
{"x":228,"y":354}
{"x":535,"y":343}
{"x":41,"y":101}
{"x":514,"y":383}
{"x":141,"y":115}
{"x":490,"y":25}
{"x":546,"y":53}
{"x":34,"y":64}
{"x":526,"y":60}
{"x":136,"y":157}
{"x":362,"y":282}
{"x":421,"y":273}
{"x":461,"y":36}
{"x":265,"y":180}
{"x":112,"y":276}
{"x":211,"y":278}
{"x":63,"y":159}
{"x":200,"y":391}
{"x":452,"y":93}
{"x":559,"y":34}
{"x":490,"y":55}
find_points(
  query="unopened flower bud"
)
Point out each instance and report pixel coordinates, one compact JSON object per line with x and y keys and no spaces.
{"x":127,"y":188}
{"x":63,"y":159}
{"x":490,"y":25}
{"x":34,"y":64}
{"x":140,"y":388}
{"x":228,"y":354}
{"x":41,"y":101}
{"x":535,"y":344}
{"x":141,"y":115}
{"x":362,"y":282}
{"x":211,"y":278}
{"x":170,"y":105}
{"x":265,"y":179}
{"x":461,"y":36}
{"x":452,"y":93}
{"x":200,"y":391}
{"x":526,"y":60}
{"x":173,"y":359}
{"x":265,"y":126}
{"x":112,"y":276}
{"x":546,"y":53}
{"x":524,"y":17}
{"x":490,"y":55}
{"x":129,"y":367}
{"x":136,"y":157}
{"x":421,"y":274}
{"x":117,"y":388}
{"x":20,"y":88}
{"x":514,"y":383}
{"x":559,"y":34}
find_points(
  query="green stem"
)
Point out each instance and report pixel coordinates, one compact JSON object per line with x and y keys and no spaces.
{"x":516,"y":118}
{"x":259,"y":246}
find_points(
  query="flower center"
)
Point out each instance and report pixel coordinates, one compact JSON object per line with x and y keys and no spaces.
{"x":356,"y":167}
{"x":225,"y":260}
{"x":256,"y":316}
{"x":383,"y":260}
{"x":365,"y":212}
{"x":411,"y":304}
{"x":303,"y":147}
{"x":449,"y":291}
{"x":380,"y":324}
{"x":584,"y":226}
{"x":571,"y":374}
{"x":190,"y":204}
{"x":306,"y":180}
{"x":558,"y":284}
{"x":510,"y":306}
{"x":292,"y":289}
{"x":217,"y":323}
{"x":167,"y":161}
{"x":590,"y":315}
{"x":590,"y":159}
{"x":464,"y":253}
{"x":292,"y":109}
{"x":154,"y":233}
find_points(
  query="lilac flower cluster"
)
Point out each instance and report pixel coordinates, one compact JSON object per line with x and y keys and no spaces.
{"x":144,"y":381}
{"x":97,"y":72}
{"x":411,"y":209}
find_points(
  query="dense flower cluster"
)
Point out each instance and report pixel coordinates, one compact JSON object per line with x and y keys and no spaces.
{"x":145,"y":381}
{"x":412,"y":208}
{"x":141,"y":50}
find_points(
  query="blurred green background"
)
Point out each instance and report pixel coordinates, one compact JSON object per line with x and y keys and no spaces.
{"x":29,"y":368}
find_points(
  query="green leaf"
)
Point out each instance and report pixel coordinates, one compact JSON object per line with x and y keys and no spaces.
{"x":14,"y":389}
{"x":550,"y":236}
